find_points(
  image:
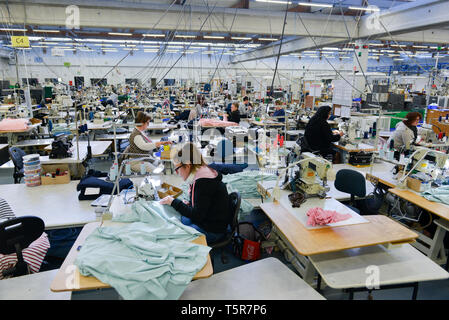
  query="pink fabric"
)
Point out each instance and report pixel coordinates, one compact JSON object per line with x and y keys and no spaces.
{"x":13,"y":124}
{"x":203,"y":172}
{"x":216,"y":123}
{"x":320,"y":217}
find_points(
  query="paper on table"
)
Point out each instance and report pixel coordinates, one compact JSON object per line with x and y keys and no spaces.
{"x":337,"y":111}
{"x":345,"y":112}
{"x":327,"y":204}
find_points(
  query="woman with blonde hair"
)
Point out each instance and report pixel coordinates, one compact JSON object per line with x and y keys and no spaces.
{"x":207,"y":209}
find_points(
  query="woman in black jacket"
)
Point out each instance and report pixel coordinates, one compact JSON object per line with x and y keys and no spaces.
{"x":208,"y":207}
{"x":319,"y":135}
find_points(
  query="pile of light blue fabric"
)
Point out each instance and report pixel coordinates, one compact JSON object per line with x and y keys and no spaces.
{"x":440,"y":194}
{"x":149,"y":257}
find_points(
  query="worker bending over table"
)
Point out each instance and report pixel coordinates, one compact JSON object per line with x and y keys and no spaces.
{"x":140,"y":143}
{"x":208,"y":207}
{"x":318,"y":135}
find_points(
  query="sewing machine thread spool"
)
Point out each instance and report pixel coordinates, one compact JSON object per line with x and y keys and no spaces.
{"x":112,"y":174}
{"x":128,"y":169}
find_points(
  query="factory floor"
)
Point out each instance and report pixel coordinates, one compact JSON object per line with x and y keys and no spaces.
{"x":434,"y":290}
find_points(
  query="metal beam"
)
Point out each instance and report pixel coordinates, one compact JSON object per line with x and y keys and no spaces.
{"x":142,"y":16}
{"x":404,"y":18}
{"x":437,"y":36}
{"x":410,"y":17}
{"x":287,"y":47}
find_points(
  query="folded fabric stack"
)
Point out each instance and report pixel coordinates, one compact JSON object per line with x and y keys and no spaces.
{"x":216,"y":123}
{"x":13,"y":124}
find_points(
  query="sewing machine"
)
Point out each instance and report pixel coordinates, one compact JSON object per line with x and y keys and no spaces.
{"x":237,"y":134}
{"x":108,"y":111}
{"x":357,"y":128}
{"x":157,"y":116}
{"x":98,"y":118}
{"x":311,"y":177}
{"x":432,"y":162}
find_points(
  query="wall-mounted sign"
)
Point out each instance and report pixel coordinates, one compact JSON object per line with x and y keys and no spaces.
{"x":20,"y":42}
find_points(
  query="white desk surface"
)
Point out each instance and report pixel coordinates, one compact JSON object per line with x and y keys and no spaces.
{"x":348,"y":268}
{"x":57,"y":205}
{"x":2,"y":146}
{"x":106,"y":137}
{"x":327,"y":204}
{"x":98,"y":149}
{"x":34,"y":286}
{"x":354,"y":147}
{"x":267,"y":279}
{"x":161,"y":126}
{"x":34,"y":143}
{"x":333,"y":192}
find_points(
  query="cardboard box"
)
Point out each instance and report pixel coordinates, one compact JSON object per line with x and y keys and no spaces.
{"x":51,"y":168}
{"x":169,"y":190}
{"x":416,"y":185}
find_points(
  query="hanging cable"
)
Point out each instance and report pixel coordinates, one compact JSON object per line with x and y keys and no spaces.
{"x":280,"y":47}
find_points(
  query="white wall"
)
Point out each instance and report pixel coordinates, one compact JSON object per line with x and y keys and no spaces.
{"x":198,"y":67}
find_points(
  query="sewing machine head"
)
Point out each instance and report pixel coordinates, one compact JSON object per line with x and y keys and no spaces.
{"x":312,"y":175}
{"x":432,"y":162}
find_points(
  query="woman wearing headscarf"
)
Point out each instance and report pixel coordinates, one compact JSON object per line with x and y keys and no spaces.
{"x":319,"y":135}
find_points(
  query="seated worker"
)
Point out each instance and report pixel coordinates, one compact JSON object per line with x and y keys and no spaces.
{"x":245,"y":107}
{"x":207,"y":209}
{"x":406,"y":132}
{"x":112,"y":99}
{"x":319,"y":135}
{"x":228,"y":103}
{"x":234,"y":116}
{"x":280,"y":112}
{"x":141,"y":145}
{"x":196,"y":112}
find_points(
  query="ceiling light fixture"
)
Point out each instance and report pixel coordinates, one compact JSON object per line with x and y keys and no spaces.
{"x":310,"y":4}
{"x":119,"y":34}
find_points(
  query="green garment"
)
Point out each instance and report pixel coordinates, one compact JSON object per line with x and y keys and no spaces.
{"x":440,"y":194}
{"x":245,"y":183}
{"x":149,"y":259}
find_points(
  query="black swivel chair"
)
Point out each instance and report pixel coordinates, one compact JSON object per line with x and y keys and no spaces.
{"x":352,"y":182}
{"x":17,"y":234}
{"x":16,"y":155}
{"x":234,"y":201}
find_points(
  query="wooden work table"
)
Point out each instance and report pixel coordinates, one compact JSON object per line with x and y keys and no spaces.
{"x":437,"y":208}
{"x":379,"y":230}
{"x":68,"y":277}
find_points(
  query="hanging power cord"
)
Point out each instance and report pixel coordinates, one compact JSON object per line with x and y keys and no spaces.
{"x":279,"y":52}
{"x":179,"y":58}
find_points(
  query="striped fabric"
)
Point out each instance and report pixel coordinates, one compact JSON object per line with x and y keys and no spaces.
{"x":5,"y":210}
{"x":33,"y":255}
